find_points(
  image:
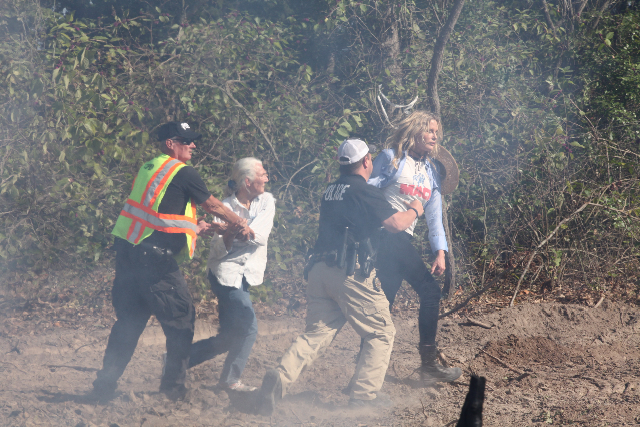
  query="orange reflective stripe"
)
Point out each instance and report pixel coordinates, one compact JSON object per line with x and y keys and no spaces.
{"x":188,"y":231}
{"x":138,"y":221}
{"x":131,"y":227}
{"x":150,"y":211}
{"x":177,"y":217}
{"x":153,"y":177}
{"x":140,"y":218}
{"x":160,"y":187}
{"x":156,"y":179}
{"x":134,"y":222}
{"x":140,"y":233}
{"x":192,"y":249}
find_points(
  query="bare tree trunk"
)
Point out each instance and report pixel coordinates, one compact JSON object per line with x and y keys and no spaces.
{"x":438,"y":56}
{"x":331,"y":66}
{"x":581,"y":7}
{"x":604,"y":7}
{"x":450,"y":261}
{"x":545,"y":7}
{"x":434,"y":103}
{"x":391,"y":46}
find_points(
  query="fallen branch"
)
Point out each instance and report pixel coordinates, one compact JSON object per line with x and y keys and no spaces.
{"x":424,"y":410}
{"x":12,"y":364}
{"x":294,"y":413}
{"x":594,"y":381}
{"x":478,"y":293}
{"x":526,"y":270}
{"x":87,"y":345}
{"x":444,"y":359}
{"x":599,"y":302}
{"x":503,"y":363}
{"x":479,"y":323}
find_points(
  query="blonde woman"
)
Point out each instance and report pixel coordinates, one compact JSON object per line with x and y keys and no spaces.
{"x":405,"y":173}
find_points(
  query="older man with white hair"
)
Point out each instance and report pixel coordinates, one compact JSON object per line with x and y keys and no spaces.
{"x":233,"y":267}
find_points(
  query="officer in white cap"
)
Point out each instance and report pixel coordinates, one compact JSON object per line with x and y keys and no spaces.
{"x":341,"y":284}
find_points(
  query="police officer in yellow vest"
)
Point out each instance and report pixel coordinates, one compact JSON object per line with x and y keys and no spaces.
{"x":156,"y":230}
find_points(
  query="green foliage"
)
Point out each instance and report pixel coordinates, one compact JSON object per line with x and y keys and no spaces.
{"x":265,"y":293}
{"x":83,"y":100}
{"x":541,"y":119}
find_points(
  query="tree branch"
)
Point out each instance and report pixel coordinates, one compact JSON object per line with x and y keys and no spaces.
{"x":541,"y":244}
{"x":478,"y":293}
{"x":605,"y":5}
{"x":250,"y":116}
{"x":545,"y":6}
{"x":438,"y":56}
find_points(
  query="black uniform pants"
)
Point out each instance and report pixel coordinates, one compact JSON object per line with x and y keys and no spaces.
{"x":398,"y":260}
{"x":147,"y":283}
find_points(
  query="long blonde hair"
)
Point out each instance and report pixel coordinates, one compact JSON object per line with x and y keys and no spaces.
{"x":410,"y":128}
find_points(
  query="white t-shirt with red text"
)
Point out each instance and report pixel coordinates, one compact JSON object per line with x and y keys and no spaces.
{"x":412,"y":183}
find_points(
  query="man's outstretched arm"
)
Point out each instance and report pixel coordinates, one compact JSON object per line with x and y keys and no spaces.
{"x":216,"y":208}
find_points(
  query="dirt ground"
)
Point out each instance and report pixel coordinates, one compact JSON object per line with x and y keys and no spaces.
{"x":545,"y":363}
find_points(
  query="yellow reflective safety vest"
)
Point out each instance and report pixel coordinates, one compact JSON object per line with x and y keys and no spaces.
{"x":140,"y":217}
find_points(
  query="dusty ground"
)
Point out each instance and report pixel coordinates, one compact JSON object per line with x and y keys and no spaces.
{"x":569,"y":364}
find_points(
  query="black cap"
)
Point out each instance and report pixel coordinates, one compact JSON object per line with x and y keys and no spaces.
{"x":177,"y":130}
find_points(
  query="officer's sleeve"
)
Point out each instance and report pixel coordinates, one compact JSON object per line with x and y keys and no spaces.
{"x":193,"y":185}
{"x":377,"y":206}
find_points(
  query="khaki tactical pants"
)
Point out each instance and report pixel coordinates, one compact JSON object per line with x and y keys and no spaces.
{"x":333,"y":299}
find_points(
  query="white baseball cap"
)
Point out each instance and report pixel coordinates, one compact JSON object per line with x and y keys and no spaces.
{"x":352,"y":150}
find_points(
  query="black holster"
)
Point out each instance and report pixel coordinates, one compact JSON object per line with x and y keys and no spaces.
{"x":329,"y":258}
{"x":342,"y":254}
{"x":307,"y":268}
{"x":367,"y":258}
{"x":352,"y":255}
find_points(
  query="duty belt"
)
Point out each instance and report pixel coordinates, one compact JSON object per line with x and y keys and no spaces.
{"x":329,"y":258}
{"x":152,"y":249}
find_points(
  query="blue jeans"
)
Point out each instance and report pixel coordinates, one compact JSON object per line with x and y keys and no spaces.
{"x":237,"y":333}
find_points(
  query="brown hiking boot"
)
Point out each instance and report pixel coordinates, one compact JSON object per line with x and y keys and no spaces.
{"x":431,"y":370}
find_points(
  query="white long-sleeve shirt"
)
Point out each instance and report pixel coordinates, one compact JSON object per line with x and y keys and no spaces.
{"x":248,"y":259}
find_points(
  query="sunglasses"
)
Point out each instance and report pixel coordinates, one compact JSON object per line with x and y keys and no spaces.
{"x":181,"y":141}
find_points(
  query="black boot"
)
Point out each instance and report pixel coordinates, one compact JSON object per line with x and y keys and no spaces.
{"x":432,"y":371}
{"x":270,"y":393}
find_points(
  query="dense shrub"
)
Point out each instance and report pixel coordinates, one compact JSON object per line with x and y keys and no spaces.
{"x":540,"y":112}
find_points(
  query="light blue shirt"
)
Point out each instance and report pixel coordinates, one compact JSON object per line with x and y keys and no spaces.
{"x":384,"y":175}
